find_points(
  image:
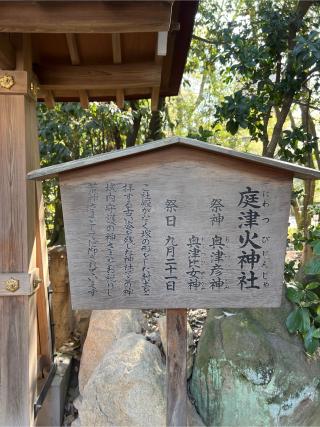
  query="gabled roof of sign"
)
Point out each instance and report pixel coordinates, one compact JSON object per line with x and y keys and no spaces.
{"x":51,"y":171}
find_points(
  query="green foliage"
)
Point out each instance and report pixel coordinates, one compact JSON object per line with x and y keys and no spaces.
{"x":305,"y":318}
{"x":296,"y":145}
{"x":271,"y":49}
{"x":68,"y":132}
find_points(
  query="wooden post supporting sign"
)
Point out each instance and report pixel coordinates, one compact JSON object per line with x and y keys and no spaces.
{"x":176,"y":367}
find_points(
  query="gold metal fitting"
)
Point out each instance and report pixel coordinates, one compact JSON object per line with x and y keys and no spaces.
{"x":34,"y":88}
{"x":7,"y":81}
{"x":36,"y":282}
{"x":12,"y":285}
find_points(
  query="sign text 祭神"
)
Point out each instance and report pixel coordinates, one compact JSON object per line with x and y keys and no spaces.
{"x":176,"y":237}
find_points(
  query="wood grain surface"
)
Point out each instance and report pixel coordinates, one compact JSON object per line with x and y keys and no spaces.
{"x":139,"y":258}
{"x":211,"y":149}
{"x":176,"y":367}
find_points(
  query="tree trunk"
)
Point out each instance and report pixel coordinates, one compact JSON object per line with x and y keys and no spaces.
{"x":133,"y":133}
{"x":155,"y":126}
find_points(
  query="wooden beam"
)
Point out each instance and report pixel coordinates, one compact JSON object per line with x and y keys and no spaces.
{"x":24,"y":52}
{"x":162,"y":43}
{"x":120,"y":98}
{"x":7,"y":53}
{"x":73,"y":49}
{"x":85,"y":17}
{"x":155,"y":98}
{"x":86,"y":77}
{"x":43,"y":314}
{"x":18,"y":249}
{"x":13,"y":82}
{"x":18,"y":333}
{"x":84,"y":99}
{"x":18,"y":368}
{"x":116,"y":48}
{"x":49,"y":99}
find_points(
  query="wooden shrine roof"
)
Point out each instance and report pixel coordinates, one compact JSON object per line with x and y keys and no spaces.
{"x":101,"y":50}
{"x":295,"y":170}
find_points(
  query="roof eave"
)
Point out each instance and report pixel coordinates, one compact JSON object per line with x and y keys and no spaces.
{"x":292,"y":169}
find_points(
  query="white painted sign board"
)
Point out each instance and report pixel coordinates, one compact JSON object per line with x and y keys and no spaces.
{"x":176,"y":227}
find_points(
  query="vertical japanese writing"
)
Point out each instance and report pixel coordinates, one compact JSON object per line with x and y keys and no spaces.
{"x":217,"y":257}
{"x":250,"y":205}
{"x":128,"y":238}
{"x":146,"y":238}
{"x":195,"y":272}
{"x":171,"y":209}
{"x":265,"y":241}
{"x":110,"y":234}
{"x":171,"y":246}
{"x":92,"y":242}
{"x":216,"y":208}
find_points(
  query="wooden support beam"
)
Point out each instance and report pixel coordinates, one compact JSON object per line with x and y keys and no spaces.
{"x":176,"y":367}
{"x":49,"y":99}
{"x":85,"y":17}
{"x":18,"y":368}
{"x":84,"y":99}
{"x":7,"y":53}
{"x":43,"y":313}
{"x":86,"y":77}
{"x":155,"y":98}
{"x":13,"y":82}
{"x":162,"y":43}
{"x":116,"y":48}
{"x":19,"y":153}
{"x":120,"y":98}
{"x":18,"y":333}
{"x":73,"y":48}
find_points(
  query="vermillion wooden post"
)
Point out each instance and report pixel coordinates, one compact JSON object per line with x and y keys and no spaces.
{"x":176,"y":367}
{"x":18,"y":252}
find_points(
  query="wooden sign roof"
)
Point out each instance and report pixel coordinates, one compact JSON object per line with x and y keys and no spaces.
{"x":100,"y":50}
{"x":292,"y":169}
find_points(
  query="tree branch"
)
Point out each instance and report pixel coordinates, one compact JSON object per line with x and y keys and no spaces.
{"x":202,"y":39}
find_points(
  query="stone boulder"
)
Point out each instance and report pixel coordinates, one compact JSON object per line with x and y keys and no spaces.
{"x":105,"y":328}
{"x":162,"y":323}
{"x":250,"y":371}
{"x":127,"y":388}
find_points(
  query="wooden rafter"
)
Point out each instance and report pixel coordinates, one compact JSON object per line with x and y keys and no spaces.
{"x":120,"y":98}
{"x":73,"y":49}
{"x":116,"y":48}
{"x":155,"y":98}
{"x":86,"y":77}
{"x":84,"y":99}
{"x":162,"y":43}
{"x":49,"y":99}
{"x":85,"y":17}
{"x":7,"y":53}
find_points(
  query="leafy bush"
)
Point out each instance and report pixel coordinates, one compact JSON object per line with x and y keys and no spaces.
{"x":305,"y":294}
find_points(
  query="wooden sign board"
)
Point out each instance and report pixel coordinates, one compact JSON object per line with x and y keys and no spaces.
{"x":176,"y":227}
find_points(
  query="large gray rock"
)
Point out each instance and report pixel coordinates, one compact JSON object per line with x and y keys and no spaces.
{"x":250,"y":371}
{"x":127,"y":388}
{"x":105,"y":328}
